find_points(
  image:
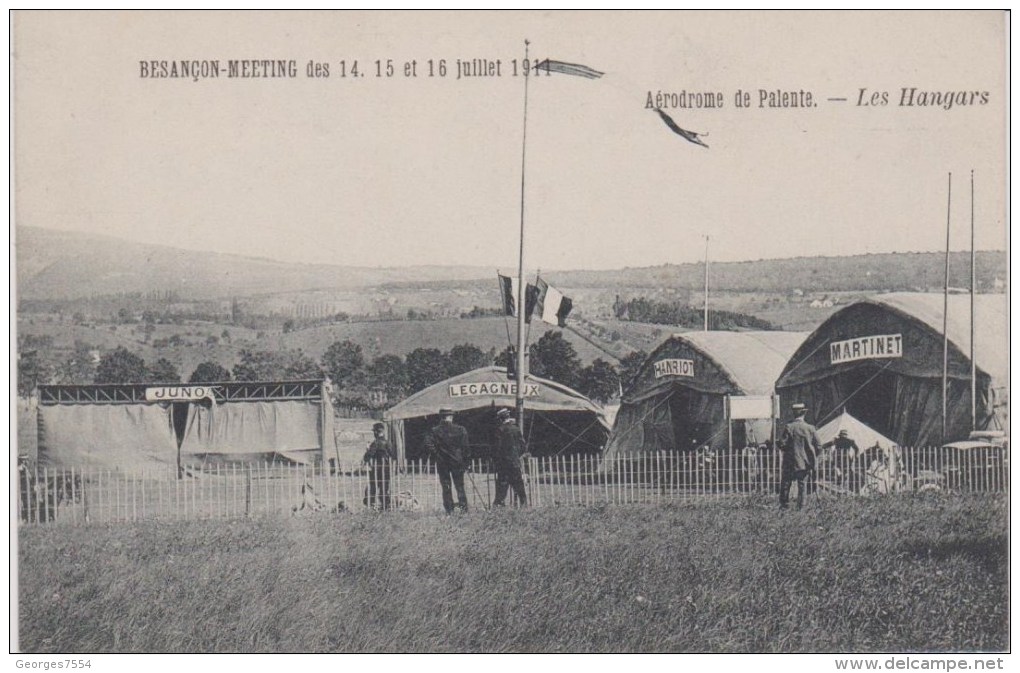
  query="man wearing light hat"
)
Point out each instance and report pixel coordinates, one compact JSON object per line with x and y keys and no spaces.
{"x":447,"y":443}
{"x":799,"y":445}
{"x":507,"y":459}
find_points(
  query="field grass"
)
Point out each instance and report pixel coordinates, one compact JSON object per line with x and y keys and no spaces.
{"x":400,"y":337}
{"x":860,"y":575}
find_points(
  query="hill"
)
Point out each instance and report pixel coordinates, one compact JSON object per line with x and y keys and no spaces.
{"x":917,"y":271}
{"x":67,"y":265}
{"x":401,"y":337}
{"x":55,"y":265}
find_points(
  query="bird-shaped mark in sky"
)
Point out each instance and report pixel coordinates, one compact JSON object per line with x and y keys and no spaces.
{"x":689,"y":136}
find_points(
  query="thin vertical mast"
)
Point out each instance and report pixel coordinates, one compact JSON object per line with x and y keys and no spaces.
{"x":522,"y":301}
{"x":973,"y":286}
{"x":706,"y":283}
{"x":945,"y":314}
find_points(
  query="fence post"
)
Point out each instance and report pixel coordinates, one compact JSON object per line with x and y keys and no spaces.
{"x":47,"y":515}
{"x":590,"y":473}
{"x":198,"y":478}
{"x":84,"y":496}
{"x":32,"y":497}
{"x":626,"y":481}
{"x":220,"y":485}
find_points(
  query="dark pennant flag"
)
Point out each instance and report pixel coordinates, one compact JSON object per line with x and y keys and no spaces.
{"x":689,"y":136}
{"x":569,"y":69}
{"x":508,"y":292}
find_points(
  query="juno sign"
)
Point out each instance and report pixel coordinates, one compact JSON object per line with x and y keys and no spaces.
{"x":178,"y":393}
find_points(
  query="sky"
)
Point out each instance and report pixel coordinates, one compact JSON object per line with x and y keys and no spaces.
{"x":395,"y":171}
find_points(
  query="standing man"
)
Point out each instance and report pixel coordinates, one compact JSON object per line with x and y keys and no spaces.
{"x":799,"y":446}
{"x":845,"y":454}
{"x":379,"y":458}
{"x":447,"y":443}
{"x":507,"y":459}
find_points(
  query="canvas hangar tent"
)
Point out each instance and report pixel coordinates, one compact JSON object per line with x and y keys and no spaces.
{"x":881,"y":360}
{"x":136,"y":425}
{"x":863,"y":436}
{"x":677,"y":400}
{"x":557,"y":420}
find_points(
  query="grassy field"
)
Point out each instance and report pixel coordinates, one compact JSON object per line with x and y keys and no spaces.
{"x":861,"y":575}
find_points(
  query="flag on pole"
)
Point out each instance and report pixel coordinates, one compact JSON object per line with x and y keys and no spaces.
{"x":508,"y":293}
{"x":530,"y":300}
{"x":569,"y":69}
{"x":689,"y":136}
{"x":551,"y":305}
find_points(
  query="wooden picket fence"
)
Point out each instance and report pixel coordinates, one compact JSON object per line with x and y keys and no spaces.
{"x":92,"y":495}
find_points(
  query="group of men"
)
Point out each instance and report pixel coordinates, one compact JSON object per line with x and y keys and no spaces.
{"x":447,"y":444}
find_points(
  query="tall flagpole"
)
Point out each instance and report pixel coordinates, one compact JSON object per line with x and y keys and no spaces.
{"x":973,"y":286}
{"x":945,"y":314}
{"x":522,"y":301}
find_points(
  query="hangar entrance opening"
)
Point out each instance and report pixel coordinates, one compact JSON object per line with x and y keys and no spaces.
{"x":179,"y":419}
{"x":693,"y":418}
{"x":872,"y":403}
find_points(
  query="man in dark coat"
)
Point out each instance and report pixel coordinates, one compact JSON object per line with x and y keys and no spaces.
{"x":845,"y":453}
{"x":447,"y":443}
{"x":506,"y":459}
{"x":379,"y":459}
{"x":799,"y":445}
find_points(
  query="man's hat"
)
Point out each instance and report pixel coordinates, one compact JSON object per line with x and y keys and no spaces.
{"x":503,"y":414}
{"x":799,"y":407}
{"x":446,"y":411}
{"x":378,"y":426}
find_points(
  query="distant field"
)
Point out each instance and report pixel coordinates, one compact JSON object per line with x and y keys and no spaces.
{"x":194,"y":348}
{"x":903,"y":574}
{"x":397,"y":337}
{"x":200,"y":341}
{"x":401,"y":337}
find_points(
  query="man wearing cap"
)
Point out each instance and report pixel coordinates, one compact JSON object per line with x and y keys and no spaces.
{"x":379,"y":458}
{"x":506,"y":459}
{"x":799,"y":445}
{"x":447,"y":443}
{"x":846,"y":451}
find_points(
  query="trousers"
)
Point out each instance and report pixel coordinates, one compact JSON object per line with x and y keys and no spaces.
{"x":379,"y":486}
{"x":451,"y":477}
{"x":507,"y":477}
{"x":788,"y":477}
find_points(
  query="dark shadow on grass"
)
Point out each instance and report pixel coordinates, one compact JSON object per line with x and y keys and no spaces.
{"x":991,"y":554}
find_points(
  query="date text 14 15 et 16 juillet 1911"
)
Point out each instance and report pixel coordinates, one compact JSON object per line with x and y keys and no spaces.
{"x":201,"y":69}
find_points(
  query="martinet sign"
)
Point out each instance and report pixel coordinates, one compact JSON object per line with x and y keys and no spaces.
{"x":497,"y":388}
{"x":866,"y":348}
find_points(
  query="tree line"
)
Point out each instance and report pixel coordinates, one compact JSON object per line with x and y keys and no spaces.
{"x":641,"y":309}
{"x":359,"y":381}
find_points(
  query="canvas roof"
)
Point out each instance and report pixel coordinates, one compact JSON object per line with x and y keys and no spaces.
{"x":991,"y":343}
{"x":864,"y":436}
{"x":919,"y":317}
{"x":751,"y":361}
{"x":551,"y":396}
